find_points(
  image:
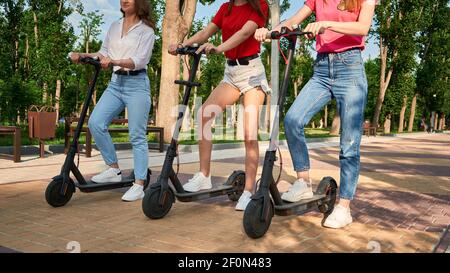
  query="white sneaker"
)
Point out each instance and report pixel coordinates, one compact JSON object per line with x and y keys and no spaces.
{"x":298,"y":191}
{"x":243,"y":200}
{"x":136,"y":192}
{"x":339,"y":218}
{"x":198,"y":182}
{"x":111,"y":175}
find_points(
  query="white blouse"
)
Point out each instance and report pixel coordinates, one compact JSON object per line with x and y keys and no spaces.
{"x":137,"y":44}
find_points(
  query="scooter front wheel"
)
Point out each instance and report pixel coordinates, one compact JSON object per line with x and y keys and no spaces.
{"x":53,"y":192}
{"x":256,"y":226}
{"x":151,"y":205}
{"x":147,"y":181}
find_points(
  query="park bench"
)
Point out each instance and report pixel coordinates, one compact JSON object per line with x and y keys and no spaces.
{"x":15,"y":132}
{"x":368,"y":129}
{"x":69,"y":131}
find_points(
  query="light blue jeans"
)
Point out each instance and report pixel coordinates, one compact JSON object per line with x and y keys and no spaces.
{"x":132,"y":92}
{"x":340,"y":76}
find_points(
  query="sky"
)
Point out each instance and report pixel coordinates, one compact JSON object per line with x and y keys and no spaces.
{"x":111,"y":12}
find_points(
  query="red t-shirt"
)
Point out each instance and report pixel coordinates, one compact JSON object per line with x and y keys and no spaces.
{"x":233,"y":22}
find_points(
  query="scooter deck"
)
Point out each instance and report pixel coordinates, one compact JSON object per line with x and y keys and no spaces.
{"x":293,"y":208}
{"x":94,"y":187}
{"x":205,"y":194}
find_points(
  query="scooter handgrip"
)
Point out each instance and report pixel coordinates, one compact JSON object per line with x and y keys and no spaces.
{"x":273,"y":35}
{"x":187,"y":83}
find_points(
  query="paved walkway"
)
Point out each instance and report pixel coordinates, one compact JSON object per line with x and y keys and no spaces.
{"x":402,"y":205}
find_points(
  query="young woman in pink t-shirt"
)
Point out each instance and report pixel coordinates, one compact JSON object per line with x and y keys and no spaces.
{"x":340,"y":28}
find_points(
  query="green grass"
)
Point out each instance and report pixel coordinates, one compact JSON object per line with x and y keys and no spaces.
{"x":186,"y":138}
{"x":7,"y":140}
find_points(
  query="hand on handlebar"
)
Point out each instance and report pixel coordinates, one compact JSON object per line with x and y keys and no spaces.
{"x":173,"y":49}
{"x":106,"y":62}
{"x":208,"y":49}
{"x":261,"y":34}
{"x":74,"y":57}
{"x":316,"y":28}
{"x":264,"y":35}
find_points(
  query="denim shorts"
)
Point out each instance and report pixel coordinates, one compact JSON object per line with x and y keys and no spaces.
{"x":247,"y":77}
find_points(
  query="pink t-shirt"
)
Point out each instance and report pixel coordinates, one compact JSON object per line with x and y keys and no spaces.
{"x":331,"y":41}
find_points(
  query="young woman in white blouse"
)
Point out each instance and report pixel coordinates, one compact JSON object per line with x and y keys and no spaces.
{"x":127,"y":48}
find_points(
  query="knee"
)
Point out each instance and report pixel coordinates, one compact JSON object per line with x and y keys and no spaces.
{"x":250,"y":139}
{"x":293,"y":123}
{"x":96,"y":125}
{"x":349,"y":149}
{"x":138,"y":136}
{"x":205,"y":118}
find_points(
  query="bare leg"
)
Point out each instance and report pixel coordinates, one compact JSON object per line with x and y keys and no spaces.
{"x":139,"y":182}
{"x":253,"y":99}
{"x":304,"y":175}
{"x":345,"y":203}
{"x":223,"y":95}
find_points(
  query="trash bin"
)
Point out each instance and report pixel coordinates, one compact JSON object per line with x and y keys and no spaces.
{"x":42,"y":125}
{"x":41,"y":122}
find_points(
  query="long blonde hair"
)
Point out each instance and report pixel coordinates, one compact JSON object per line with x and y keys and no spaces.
{"x":349,"y":5}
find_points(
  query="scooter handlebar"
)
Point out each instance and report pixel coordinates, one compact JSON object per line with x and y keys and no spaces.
{"x":89,"y":60}
{"x":286,"y":32}
{"x":188,"y":50}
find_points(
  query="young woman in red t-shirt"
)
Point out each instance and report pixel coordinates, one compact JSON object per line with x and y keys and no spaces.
{"x":244,"y":75}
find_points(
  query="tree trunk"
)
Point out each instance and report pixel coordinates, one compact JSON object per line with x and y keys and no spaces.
{"x":295,"y":88}
{"x":60,"y":6}
{"x":325,"y":124}
{"x":16,"y":56}
{"x":275,"y":60}
{"x":385,"y":78}
{"x":175,"y":27}
{"x":44,"y":93}
{"x":436,"y":115}
{"x":36,"y":31}
{"x":402,"y":115}
{"x":267,"y":113}
{"x":26,"y":65}
{"x":442,"y":122}
{"x":186,"y":125}
{"x":240,"y":120}
{"x":432,"y":117}
{"x":336,"y":125}
{"x":413,"y":113}
{"x":387,"y":124}
{"x":57,"y":96}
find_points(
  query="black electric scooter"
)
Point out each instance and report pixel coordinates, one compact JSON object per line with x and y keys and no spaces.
{"x":267,"y":200}
{"x":159,"y":197}
{"x":62,"y":187}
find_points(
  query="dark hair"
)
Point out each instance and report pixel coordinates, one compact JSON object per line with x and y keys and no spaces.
{"x":143,"y":12}
{"x":256,"y":5}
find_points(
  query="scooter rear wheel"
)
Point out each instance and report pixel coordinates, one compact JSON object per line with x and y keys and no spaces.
{"x":327,"y":186}
{"x":254,"y":226}
{"x":150,"y":203}
{"x":237,"y":180}
{"x":53,"y":192}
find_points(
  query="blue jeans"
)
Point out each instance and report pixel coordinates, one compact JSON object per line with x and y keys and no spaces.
{"x":132,"y":92}
{"x":341,"y":76}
